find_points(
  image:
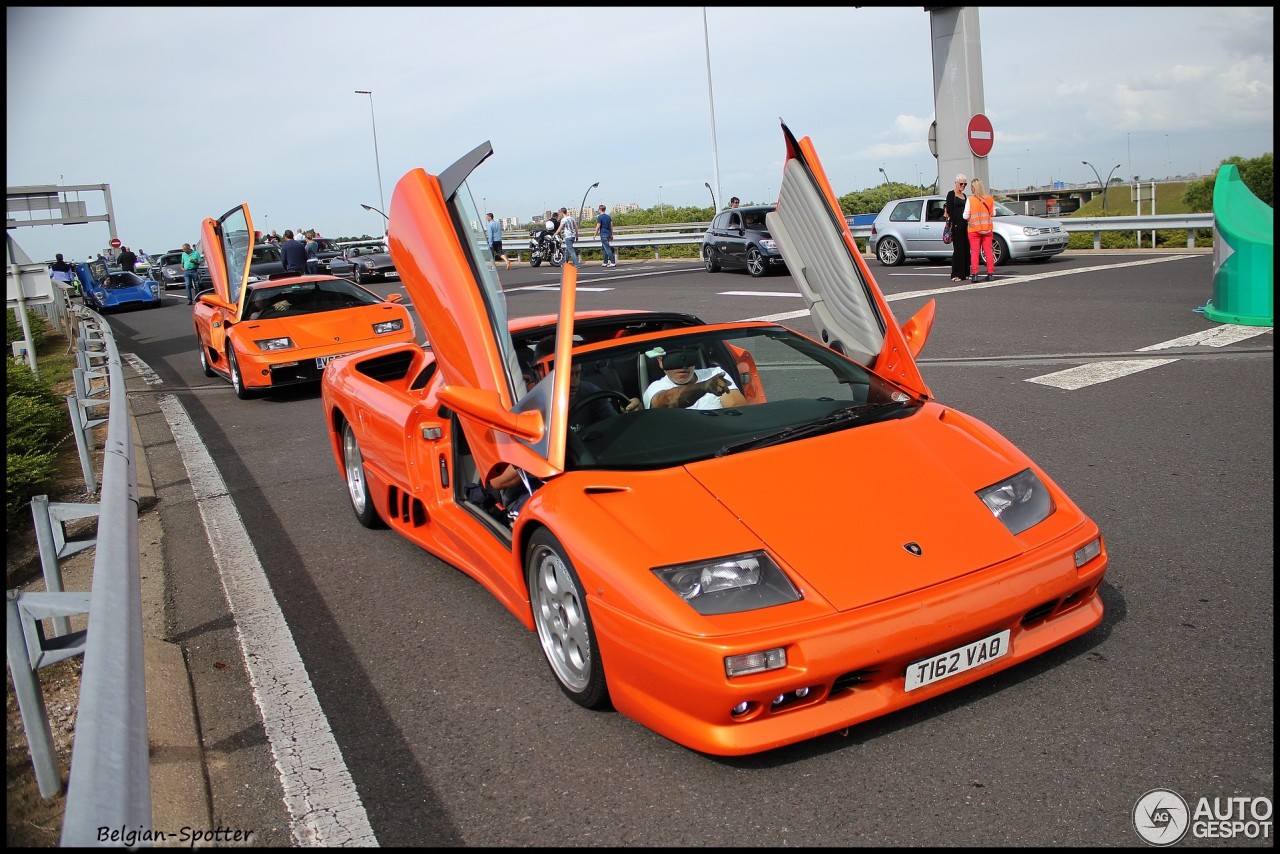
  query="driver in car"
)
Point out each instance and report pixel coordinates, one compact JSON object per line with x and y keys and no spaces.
{"x":689,"y":387}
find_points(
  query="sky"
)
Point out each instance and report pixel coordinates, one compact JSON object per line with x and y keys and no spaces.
{"x":188,"y":112}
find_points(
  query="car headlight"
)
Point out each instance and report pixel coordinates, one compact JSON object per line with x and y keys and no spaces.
{"x":155,"y":290}
{"x":728,"y":585}
{"x":367,"y":262}
{"x":385,"y":326}
{"x":769,"y":243}
{"x":271,"y":344}
{"x":1019,"y":502}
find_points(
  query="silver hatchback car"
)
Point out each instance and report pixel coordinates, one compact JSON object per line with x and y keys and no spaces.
{"x":912,"y":228}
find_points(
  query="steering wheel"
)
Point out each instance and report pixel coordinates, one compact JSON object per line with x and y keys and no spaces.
{"x":607,"y":394}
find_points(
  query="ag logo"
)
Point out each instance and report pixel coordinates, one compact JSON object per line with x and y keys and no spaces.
{"x":1161,"y":817}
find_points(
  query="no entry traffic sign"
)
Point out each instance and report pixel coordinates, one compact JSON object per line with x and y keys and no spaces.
{"x":115,"y":243}
{"x":981,"y":135}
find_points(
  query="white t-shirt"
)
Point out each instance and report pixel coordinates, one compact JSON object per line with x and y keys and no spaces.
{"x":707,"y":401}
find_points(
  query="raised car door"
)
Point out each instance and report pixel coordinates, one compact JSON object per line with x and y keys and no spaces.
{"x":847,"y":307}
{"x":227,"y":246}
{"x":438,"y":243}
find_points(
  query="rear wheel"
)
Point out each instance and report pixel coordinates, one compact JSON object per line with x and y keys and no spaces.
{"x":357,"y":483}
{"x":756,"y":265}
{"x":564,"y":625}
{"x":889,"y":252}
{"x":709,"y":261}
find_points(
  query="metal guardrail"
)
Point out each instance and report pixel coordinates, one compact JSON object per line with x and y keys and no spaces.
{"x":110,"y":778}
{"x":516,"y":244}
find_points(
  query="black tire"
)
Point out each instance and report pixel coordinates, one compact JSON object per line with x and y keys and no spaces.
{"x":889,"y":252}
{"x":237,"y":380}
{"x":563,"y":622}
{"x":709,"y":261}
{"x":357,"y":482}
{"x":557,"y":256}
{"x":756,"y":265}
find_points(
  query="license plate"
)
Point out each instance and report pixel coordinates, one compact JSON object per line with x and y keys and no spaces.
{"x":321,"y":361}
{"x":956,"y":661}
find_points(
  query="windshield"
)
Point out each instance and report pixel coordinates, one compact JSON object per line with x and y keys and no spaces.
{"x":121,"y":280}
{"x":311,"y":297}
{"x":783,"y":380}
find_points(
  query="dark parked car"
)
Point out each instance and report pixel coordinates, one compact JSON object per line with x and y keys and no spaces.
{"x":328,"y":250}
{"x":166,"y":269}
{"x":364,"y":261}
{"x":739,"y":238}
{"x":265,"y":264}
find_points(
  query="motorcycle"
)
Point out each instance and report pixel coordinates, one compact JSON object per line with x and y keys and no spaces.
{"x":544,"y":246}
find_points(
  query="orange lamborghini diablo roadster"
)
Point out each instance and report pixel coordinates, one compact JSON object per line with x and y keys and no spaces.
{"x":264,"y":335}
{"x":658,"y":525}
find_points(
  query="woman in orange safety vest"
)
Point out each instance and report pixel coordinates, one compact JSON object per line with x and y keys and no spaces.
{"x":978,"y":211}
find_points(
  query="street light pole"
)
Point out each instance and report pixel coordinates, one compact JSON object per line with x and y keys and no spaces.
{"x":1107,"y":186}
{"x":582,"y":208}
{"x":659,"y":195}
{"x":1100,"y":184}
{"x":886,"y":182}
{"x":715,"y":157}
{"x":375,"y":210}
{"x":376,"y":160}
{"x":707,"y":184}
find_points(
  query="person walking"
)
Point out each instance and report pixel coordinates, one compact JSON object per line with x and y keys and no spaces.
{"x":604,"y":230}
{"x":495,"y":239}
{"x":128,"y":259}
{"x":313,"y":255}
{"x":568,"y":231}
{"x":190,"y":264}
{"x":293,"y":254}
{"x":979,"y":209}
{"x":953,"y":212}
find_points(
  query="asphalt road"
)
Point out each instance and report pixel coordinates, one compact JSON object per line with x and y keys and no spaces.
{"x":452,"y":729}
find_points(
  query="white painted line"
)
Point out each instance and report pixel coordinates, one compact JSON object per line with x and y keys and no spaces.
{"x":318,"y":790}
{"x":759,"y":294}
{"x":144,"y":370}
{"x":1219,"y":336}
{"x":997,"y":283}
{"x":1097,"y":372}
{"x":556,"y":289}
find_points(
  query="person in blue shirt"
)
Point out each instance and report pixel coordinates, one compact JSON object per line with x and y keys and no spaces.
{"x":604,"y":229}
{"x":495,"y":239}
{"x":293,"y":254}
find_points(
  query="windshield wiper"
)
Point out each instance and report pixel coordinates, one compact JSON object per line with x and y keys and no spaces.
{"x":844,"y":417}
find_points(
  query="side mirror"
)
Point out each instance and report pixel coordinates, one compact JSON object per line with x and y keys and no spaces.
{"x":394,"y":298}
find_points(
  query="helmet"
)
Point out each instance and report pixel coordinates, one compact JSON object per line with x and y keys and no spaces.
{"x":551,"y":225}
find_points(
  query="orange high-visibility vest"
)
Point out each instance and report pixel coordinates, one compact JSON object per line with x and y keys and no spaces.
{"x":980,"y":210}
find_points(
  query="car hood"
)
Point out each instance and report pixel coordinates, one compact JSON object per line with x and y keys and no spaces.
{"x":914,"y":481}
{"x":1024,"y":221}
{"x":325,"y":329}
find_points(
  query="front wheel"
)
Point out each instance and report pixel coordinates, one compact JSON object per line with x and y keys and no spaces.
{"x":237,"y":379}
{"x":889,"y":252}
{"x":1000,"y":249}
{"x":535,"y":259}
{"x":709,"y":261}
{"x":563,"y":622}
{"x":557,"y":256}
{"x":357,"y":483}
{"x":756,"y":265}
{"x":204,"y":358}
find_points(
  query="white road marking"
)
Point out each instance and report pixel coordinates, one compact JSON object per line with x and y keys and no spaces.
{"x":1219,"y":336}
{"x":759,"y":294}
{"x":319,"y":793}
{"x":1097,"y":372}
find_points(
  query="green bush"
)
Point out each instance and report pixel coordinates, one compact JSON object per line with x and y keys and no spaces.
{"x":39,"y":329}
{"x":36,"y":424}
